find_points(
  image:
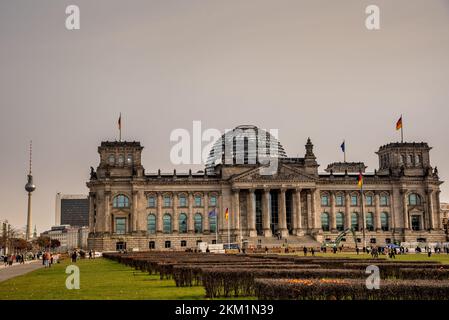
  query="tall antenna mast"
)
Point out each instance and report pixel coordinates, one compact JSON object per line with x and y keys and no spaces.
{"x":31,"y":154}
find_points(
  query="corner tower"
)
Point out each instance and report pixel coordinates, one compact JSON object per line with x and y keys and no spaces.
{"x":120,"y":159}
{"x":408,"y":158}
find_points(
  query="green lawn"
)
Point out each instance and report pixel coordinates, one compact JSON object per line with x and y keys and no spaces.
{"x":442,"y":257}
{"x":99,"y":279}
{"x":106,"y":279}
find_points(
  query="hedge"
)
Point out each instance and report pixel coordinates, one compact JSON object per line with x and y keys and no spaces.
{"x":240,"y":282}
{"x":342,"y":289}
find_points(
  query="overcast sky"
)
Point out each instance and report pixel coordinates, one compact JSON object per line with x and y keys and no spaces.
{"x":307,"y":68}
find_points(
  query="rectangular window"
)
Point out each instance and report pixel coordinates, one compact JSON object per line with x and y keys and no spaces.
{"x":167,"y":201}
{"x":213,"y":201}
{"x":384,"y":200}
{"x":324,"y":201}
{"x":339,"y":200}
{"x":369,"y":200}
{"x":151,"y":245}
{"x":197,"y":201}
{"x":167,"y":244}
{"x":182,"y":201}
{"x":183,"y":243}
{"x":151,"y":202}
{"x":354,"y":200}
{"x":120,"y":225}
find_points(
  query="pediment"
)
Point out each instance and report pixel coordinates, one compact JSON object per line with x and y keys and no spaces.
{"x":283,"y":173}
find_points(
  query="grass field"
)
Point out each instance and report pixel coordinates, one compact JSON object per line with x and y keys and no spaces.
{"x":105,"y":279}
{"x":442,"y":257}
{"x":99,"y":279}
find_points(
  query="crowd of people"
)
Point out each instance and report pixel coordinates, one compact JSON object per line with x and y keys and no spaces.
{"x":8,"y":260}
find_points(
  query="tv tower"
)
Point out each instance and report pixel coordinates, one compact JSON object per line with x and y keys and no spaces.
{"x":29,"y":187}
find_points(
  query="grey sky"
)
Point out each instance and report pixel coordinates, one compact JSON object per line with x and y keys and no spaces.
{"x":307,"y":68}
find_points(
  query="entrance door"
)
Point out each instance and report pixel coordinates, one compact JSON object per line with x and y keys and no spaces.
{"x":416,"y":222}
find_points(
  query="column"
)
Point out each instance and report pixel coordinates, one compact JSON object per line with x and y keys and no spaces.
{"x":91,"y":212}
{"x":175,"y":221}
{"x":377,"y":213}
{"x":430,"y":211}
{"x":282,"y":213}
{"x":405,"y":210}
{"x":251,"y":213}
{"x":190,"y":221}
{"x":316,"y":209}
{"x":438,"y":222}
{"x":235,"y":222}
{"x":348,"y":213}
{"x":159,"y":222}
{"x":333,"y":222}
{"x":309,"y":209}
{"x":206,"y":213}
{"x":107,"y":210}
{"x":135,"y":211}
{"x":266,"y":213}
{"x":297,"y":218}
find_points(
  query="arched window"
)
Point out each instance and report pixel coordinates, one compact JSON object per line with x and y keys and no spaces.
{"x":121,"y":160}
{"x":129,"y":159}
{"x":404,"y":159}
{"x":355,"y":221}
{"x":151,"y":223}
{"x":411,"y":159}
{"x":166,"y":219}
{"x":370,"y":221}
{"x":198,"y":223}
{"x":414,"y":199}
{"x":120,"y":201}
{"x":182,"y":223}
{"x":384,"y":221}
{"x":325,"y":221}
{"x":339,"y":218}
{"x":111,"y":160}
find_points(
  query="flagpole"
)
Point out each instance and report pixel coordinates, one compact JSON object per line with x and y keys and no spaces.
{"x":216,"y":226}
{"x":120,"y":128}
{"x":402,"y":129}
{"x":229,"y":232}
{"x":363,"y":215}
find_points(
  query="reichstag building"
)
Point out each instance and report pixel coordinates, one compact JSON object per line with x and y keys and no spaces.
{"x":253,"y":194}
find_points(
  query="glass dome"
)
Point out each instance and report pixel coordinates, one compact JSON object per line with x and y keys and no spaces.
{"x":244,"y":144}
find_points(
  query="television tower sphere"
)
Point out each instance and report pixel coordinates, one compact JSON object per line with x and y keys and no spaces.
{"x":30,"y":187}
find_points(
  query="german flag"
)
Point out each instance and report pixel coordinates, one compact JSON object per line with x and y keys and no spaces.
{"x":399,"y":123}
{"x":360,"y":180}
{"x":227,"y":214}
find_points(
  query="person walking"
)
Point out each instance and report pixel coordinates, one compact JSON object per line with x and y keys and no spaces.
{"x":5,"y":260}
{"x":305,"y":251}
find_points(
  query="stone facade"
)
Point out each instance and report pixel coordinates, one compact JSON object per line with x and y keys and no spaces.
{"x":296,"y":203}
